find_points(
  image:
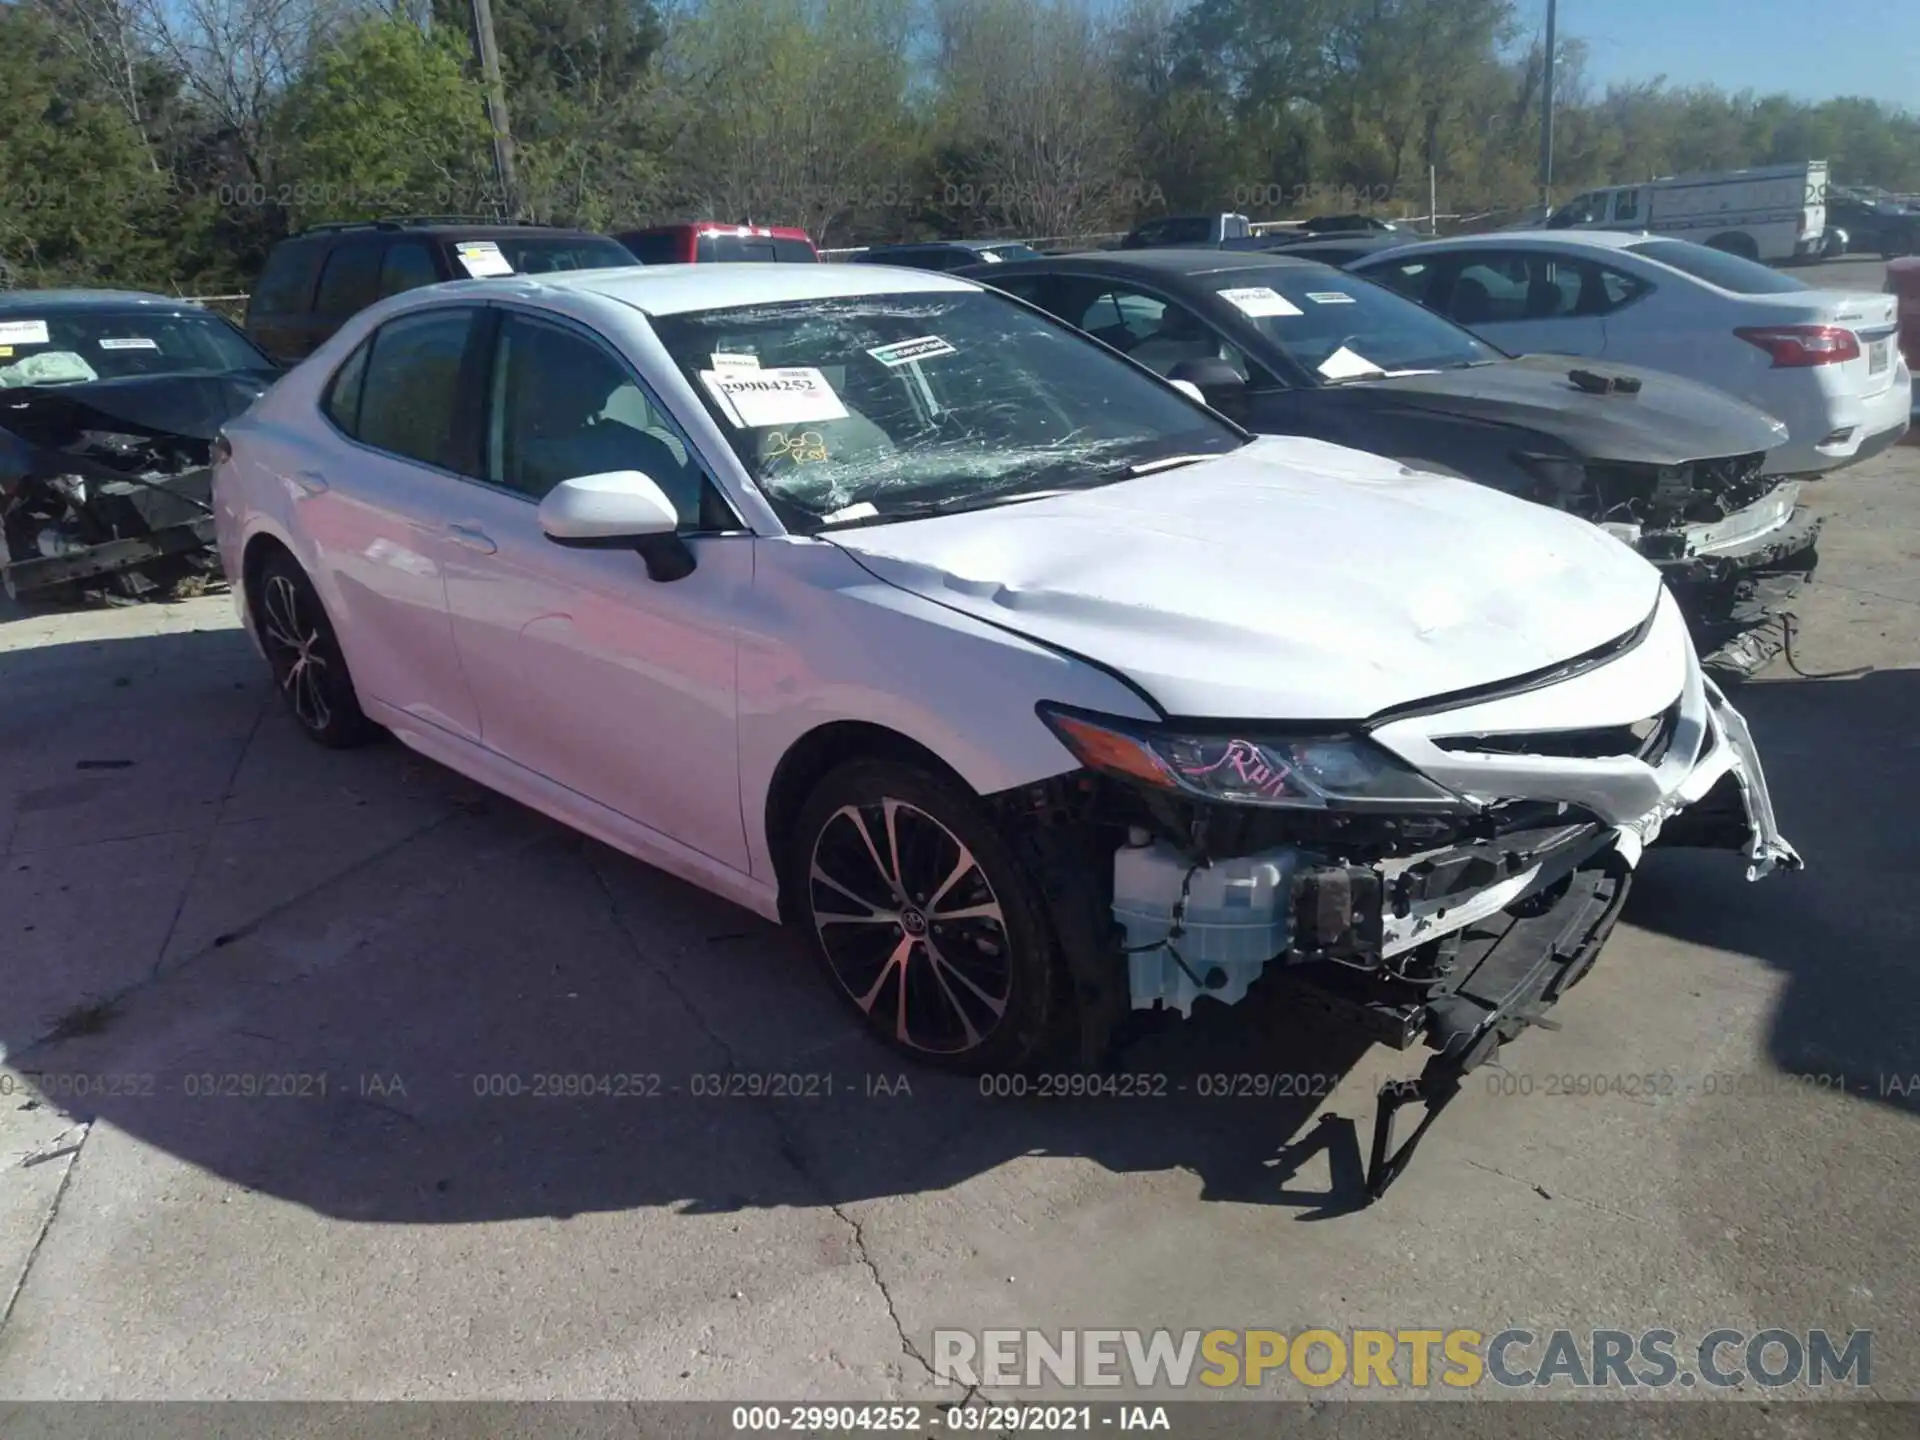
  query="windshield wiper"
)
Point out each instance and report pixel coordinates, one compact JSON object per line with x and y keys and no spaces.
{"x":1165,"y":462}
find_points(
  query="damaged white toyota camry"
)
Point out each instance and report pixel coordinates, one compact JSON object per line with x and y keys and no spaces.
{"x":1031,"y":689}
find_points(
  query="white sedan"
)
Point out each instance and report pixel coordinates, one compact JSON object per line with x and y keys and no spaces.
{"x":1027,"y":686}
{"x":1827,"y":363}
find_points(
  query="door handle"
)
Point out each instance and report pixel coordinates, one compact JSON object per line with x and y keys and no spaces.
{"x":472,"y":537}
{"x":311,"y":482}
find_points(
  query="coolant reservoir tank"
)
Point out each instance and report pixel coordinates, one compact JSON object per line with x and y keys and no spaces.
{"x":1199,"y":929}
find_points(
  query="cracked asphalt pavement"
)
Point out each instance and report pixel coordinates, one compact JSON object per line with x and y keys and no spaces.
{"x":296,"y":1045}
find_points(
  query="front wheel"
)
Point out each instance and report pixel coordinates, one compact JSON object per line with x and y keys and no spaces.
{"x":308,"y":669}
{"x":919,"y":913}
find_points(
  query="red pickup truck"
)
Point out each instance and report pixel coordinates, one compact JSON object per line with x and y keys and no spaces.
{"x":708,"y":242}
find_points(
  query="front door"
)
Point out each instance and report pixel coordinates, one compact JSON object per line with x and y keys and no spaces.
{"x":616,"y":686}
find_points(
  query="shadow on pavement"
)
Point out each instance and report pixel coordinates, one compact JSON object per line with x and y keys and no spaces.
{"x":491,"y":1017}
{"x":1843,"y":762}
{"x":460,"y":1011}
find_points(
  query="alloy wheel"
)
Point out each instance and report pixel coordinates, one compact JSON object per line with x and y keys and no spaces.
{"x":297,"y":650}
{"x":911,"y":926}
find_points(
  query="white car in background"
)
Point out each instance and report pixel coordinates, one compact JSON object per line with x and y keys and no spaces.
{"x":1826,"y":363}
{"x":1029,"y":688}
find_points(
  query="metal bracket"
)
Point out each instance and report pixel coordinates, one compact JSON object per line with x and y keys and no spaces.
{"x":1435,"y":1087}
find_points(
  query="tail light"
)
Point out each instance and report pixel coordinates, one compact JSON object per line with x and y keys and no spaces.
{"x":1797,"y":346}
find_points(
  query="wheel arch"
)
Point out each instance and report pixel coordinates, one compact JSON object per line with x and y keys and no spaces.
{"x":815,"y":755}
{"x":1735,"y":242}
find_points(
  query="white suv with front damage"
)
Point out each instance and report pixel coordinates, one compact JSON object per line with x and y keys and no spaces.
{"x":1031,"y":689}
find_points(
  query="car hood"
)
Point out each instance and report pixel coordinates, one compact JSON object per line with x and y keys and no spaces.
{"x":1668,"y":421}
{"x":192,"y":405}
{"x":1290,"y":580}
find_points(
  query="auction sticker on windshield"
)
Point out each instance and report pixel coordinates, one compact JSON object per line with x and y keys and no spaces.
{"x":130,"y":342}
{"x":903,"y":352}
{"x":482,"y":258}
{"x":23,"y":332}
{"x":796,"y":395}
{"x":1343,"y":364}
{"x":1256,"y":301}
{"x":1330,"y":297}
{"x":724,"y":361}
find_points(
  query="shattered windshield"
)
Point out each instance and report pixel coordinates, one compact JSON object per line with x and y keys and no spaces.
{"x":1337,"y":326}
{"x":76,"y":346}
{"x":858,"y":407}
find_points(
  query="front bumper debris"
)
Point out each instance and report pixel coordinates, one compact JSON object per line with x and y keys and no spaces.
{"x":1462,"y":944}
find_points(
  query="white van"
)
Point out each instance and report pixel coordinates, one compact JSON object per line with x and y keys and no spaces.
{"x":1771,"y":213}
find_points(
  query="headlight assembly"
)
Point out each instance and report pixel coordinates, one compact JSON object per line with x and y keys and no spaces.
{"x":1289,"y":772}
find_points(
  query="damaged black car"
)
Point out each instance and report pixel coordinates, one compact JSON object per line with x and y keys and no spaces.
{"x":1288,"y":346}
{"x":110,"y":403}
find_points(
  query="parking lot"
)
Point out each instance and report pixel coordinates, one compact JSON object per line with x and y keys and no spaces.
{"x":277,"y":1023}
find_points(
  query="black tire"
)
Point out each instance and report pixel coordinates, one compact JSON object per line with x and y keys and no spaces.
{"x":993,"y":1000}
{"x":308,"y":669}
{"x":1735,"y":243}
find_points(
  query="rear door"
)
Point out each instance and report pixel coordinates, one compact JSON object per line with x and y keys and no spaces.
{"x":278,"y":310}
{"x":349,"y":282}
{"x":376,"y":502}
{"x":1530,"y":301}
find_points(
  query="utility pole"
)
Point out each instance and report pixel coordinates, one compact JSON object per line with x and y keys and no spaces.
{"x":489,"y":52}
{"x":1546,"y":111}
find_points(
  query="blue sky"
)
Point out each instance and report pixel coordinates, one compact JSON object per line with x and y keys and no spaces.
{"x":1811,"y":49}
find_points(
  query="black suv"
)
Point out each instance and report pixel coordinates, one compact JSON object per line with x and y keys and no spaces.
{"x":314,"y":281}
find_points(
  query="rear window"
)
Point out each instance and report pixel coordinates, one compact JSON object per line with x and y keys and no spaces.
{"x":1716,"y":267}
{"x":287,"y":280}
{"x":718,"y":248}
{"x":545,"y":254}
{"x":657,"y":247}
{"x":351,"y":280}
{"x":1183,"y":231}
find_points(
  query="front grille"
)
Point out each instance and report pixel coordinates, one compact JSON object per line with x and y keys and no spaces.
{"x":1647,"y":740}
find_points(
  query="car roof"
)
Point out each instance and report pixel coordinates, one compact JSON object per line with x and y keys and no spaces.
{"x":1577,"y":239}
{"x":679,"y":289}
{"x":40,"y":301}
{"x":1186,"y":262}
{"x":481,"y":229}
{"x":721,"y":227}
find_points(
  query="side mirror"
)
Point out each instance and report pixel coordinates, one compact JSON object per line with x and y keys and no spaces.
{"x":1188,"y":388}
{"x":1214,"y":378}
{"x":619,"y":510}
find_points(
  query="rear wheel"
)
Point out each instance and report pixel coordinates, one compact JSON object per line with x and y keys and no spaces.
{"x":919,"y":913}
{"x":308,"y":669}
{"x":1735,"y":242}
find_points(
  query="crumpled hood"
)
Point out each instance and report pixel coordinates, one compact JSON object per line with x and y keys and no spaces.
{"x":1670,"y":421}
{"x":193,"y":405}
{"x":1290,"y":580}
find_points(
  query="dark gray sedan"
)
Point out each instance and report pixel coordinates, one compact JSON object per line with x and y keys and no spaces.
{"x":1289,"y":346}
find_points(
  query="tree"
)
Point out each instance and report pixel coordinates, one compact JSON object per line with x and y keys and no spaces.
{"x":790,"y":111}
{"x":83,"y":201}
{"x":385,"y":120}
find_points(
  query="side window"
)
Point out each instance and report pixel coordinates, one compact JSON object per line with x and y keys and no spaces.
{"x":1487,"y":288}
{"x":1411,"y":278}
{"x":1619,"y":289}
{"x":287,"y":281}
{"x":1626,"y":207}
{"x":562,"y":406}
{"x":657,"y":247}
{"x":1030,"y":288}
{"x":341,"y":401}
{"x":410,"y":397}
{"x":1160,"y":334}
{"x":408,"y":266}
{"x":350,"y":281}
